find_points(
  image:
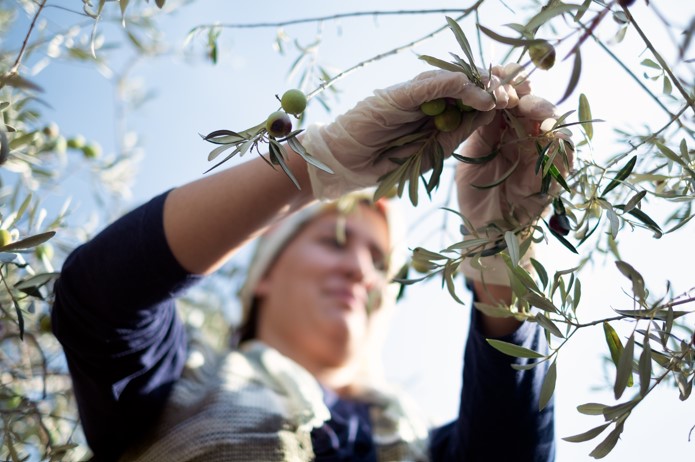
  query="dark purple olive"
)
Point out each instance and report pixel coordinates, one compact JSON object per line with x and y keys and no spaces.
{"x":560,"y":224}
{"x":626,"y":3}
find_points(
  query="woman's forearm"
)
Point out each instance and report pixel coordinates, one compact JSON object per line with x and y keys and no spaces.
{"x":494,"y":294}
{"x":207,"y":220}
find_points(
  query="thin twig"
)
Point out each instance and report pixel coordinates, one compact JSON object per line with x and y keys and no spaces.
{"x":292,"y":22}
{"x":397,"y":50}
{"x":658,"y":57}
{"x":650,"y":138}
{"x":15,"y":67}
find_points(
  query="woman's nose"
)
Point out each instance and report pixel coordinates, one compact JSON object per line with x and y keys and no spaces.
{"x":359,"y":265}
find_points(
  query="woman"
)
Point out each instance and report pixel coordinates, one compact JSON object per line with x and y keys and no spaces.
{"x":296,"y":388}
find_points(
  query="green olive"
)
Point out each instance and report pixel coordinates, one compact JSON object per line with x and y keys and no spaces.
{"x":91,"y":150}
{"x":449,"y":120}
{"x":293,"y":101}
{"x":5,"y":237}
{"x":542,"y":54}
{"x":44,"y":251}
{"x":76,"y":142}
{"x":434,"y":107}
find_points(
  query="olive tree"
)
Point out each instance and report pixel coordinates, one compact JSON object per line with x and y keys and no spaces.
{"x":641,"y":183}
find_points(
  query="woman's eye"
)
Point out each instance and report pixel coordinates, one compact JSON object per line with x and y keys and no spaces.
{"x":333,"y":241}
{"x":379,"y":264}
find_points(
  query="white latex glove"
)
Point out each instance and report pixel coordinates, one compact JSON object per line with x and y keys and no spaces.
{"x":349,"y":146}
{"x":517,"y":201}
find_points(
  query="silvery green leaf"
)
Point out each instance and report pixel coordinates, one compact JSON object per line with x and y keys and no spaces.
{"x":574,"y":78}
{"x":517,"y":42}
{"x":624,"y":371}
{"x":541,"y":302}
{"x":548,"y":387}
{"x":436,"y":62}
{"x":591,"y":408}
{"x":587,"y":435}
{"x":36,"y":281}
{"x":607,"y":445}
{"x":501,"y":179}
{"x":547,"y":324}
{"x":218,"y":150}
{"x":540,"y":271}
{"x":512,"y":247}
{"x":634,"y":276}
{"x":645,"y":366}
{"x":513,"y":350}
{"x":546,"y":14}
{"x":634,"y":200}
{"x":448,"y":274}
{"x":29,"y":242}
{"x":621,"y":175}
{"x":585,"y":115}
{"x":299,"y":149}
{"x":495,"y":311}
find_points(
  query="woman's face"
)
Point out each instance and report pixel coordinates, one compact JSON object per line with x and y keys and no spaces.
{"x":313,"y":301}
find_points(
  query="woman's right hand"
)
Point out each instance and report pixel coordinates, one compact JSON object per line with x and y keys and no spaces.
{"x":351,"y":145}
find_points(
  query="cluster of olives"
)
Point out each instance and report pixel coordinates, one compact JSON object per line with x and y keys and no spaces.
{"x":77,"y":142}
{"x":446,"y":112}
{"x":279,"y":124}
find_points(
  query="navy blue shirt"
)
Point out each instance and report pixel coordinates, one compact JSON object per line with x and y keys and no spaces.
{"x":125,"y":346}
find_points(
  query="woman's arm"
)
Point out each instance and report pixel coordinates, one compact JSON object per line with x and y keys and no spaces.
{"x":498,"y":413}
{"x":114,"y":302}
{"x":206,"y":221}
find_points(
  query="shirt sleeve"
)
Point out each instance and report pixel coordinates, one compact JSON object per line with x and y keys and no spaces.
{"x":114,"y":315}
{"x":498,"y":415}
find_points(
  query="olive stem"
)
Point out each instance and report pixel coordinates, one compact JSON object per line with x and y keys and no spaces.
{"x":658,"y":57}
{"x":18,"y":61}
{"x":333,"y":17}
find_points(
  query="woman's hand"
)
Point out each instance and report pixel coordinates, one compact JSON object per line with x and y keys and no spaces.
{"x":351,"y":146}
{"x":511,"y":141}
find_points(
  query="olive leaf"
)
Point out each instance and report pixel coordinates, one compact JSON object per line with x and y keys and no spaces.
{"x":591,"y":408}
{"x":540,"y":271}
{"x":547,"y":324}
{"x":587,"y":435}
{"x":624,"y":371}
{"x":466,"y":47}
{"x":585,"y":115}
{"x":448,"y":274}
{"x":539,"y":301}
{"x":501,"y":179}
{"x":616,"y":349}
{"x":548,"y":387}
{"x":513,"y":350}
{"x":645,"y":365}
{"x":29,"y":242}
{"x":607,"y":445}
{"x":560,"y":238}
{"x":517,"y":42}
{"x":477,"y":160}
{"x":621,"y":175}
{"x":635,"y":277}
{"x":440,"y":63}
{"x":574,"y":77}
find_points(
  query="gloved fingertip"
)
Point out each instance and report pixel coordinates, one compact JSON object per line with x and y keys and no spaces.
{"x":535,"y":107}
